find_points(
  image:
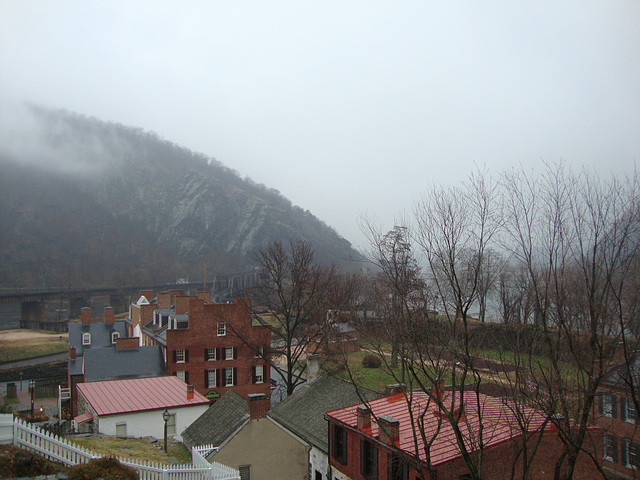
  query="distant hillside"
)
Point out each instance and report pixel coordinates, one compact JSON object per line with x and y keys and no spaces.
{"x":86,"y":202}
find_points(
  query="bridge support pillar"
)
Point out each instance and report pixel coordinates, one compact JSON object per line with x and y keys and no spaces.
{"x":75,"y":304}
{"x":118,"y":303}
{"x":32,"y":313}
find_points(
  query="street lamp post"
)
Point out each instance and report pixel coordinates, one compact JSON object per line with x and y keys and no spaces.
{"x":165,"y":416}
{"x":32,"y":390}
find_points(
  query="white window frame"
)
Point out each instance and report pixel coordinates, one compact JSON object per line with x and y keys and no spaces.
{"x":221,"y":329}
{"x":211,"y":355}
{"x":607,"y":405}
{"x":605,"y":446}
{"x":120,"y":426}
{"x":181,"y":355}
{"x":259,"y":376}
{"x":86,"y":338}
{"x":212,"y":378}
{"x":229,"y":374}
{"x":114,"y":337}
{"x":631,"y":414}
{"x":226,"y":353}
{"x":181,"y":374}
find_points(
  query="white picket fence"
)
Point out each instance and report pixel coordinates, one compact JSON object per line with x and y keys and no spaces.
{"x":17,"y":432}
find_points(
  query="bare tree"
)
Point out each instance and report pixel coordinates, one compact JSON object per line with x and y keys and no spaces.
{"x":297,"y":294}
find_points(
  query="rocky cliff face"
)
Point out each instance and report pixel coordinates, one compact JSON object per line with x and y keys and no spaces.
{"x":91,"y":202}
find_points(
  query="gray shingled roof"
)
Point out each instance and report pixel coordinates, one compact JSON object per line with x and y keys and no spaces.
{"x":100,"y":334}
{"x":112,"y":364}
{"x":303,"y":412}
{"x":618,"y":376}
{"x":220,"y":420}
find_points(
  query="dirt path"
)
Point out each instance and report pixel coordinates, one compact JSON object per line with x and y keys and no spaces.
{"x":23,"y":334}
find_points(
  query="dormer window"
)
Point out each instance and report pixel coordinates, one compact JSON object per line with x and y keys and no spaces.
{"x":114,"y":337}
{"x":86,"y":338}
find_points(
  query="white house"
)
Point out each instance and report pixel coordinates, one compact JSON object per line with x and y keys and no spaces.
{"x":134,"y":407}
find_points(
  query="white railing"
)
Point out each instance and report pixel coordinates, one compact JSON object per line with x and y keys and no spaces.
{"x":19,"y":433}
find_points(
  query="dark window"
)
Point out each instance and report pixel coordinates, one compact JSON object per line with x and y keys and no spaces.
{"x":318,"y":475}
{"x":397,"y":468}
{"x":245,"y":472}
{"x":608,"y":405}
{"x":610,"y":448}
{"x":339,"y":444}
{"x":368,"y":459}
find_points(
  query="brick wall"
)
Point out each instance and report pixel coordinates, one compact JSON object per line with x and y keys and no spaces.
{"x":202,"y":334}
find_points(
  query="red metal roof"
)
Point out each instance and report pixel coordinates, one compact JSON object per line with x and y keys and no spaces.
{"x":85,"y":417}
{"x":134,"y":395}
{"x":498,"y":422}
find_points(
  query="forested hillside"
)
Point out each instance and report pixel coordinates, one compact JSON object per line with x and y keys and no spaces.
{"x":86,"y":202}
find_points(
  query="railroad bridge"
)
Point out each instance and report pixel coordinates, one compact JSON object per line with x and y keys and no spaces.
{"x":33,"y":302}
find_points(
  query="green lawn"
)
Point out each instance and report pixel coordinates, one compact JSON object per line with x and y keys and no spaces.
{"x":138,"y":448}
{"x":12,"y":350}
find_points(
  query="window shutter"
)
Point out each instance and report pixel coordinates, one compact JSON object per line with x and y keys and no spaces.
{"x":623,"y":408}
{"x":624,"y":448}
{"x":175,"y":356}
{"x":218,"y":381}
{"x":206,"y":355}
{"x":601,"y":404}
{"x":614,"y":406}
{"x":235,"y":353}
{"x":218,"y":356}
{"x":206,"y":378}
{"x":253,"y":374}
{"x":186,"y":356}
{"x":186,"y":377}
{"x":615,"y":450}
{"x":362,"y":459}
{"x":235,"y":376}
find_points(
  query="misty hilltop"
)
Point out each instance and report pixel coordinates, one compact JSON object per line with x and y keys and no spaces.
{"x":87,"y":202}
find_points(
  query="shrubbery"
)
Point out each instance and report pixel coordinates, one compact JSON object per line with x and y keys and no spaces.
{"x":102,"y":468}
{"x":371,"y":361}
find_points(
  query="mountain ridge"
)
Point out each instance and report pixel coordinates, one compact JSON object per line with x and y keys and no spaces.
{"x":125,"y":205}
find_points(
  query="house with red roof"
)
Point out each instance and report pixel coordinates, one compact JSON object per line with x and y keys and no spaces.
{"x":134,"y":407}
{"x":381,"y":440}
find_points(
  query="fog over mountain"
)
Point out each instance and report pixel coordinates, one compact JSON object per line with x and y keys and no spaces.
{"x":86,"y":202}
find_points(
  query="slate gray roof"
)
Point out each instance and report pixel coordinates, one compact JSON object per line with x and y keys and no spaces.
{"x":303,"y":412}
{"x":618,"y":376}
{"x":100,"y":334}
{"x":112,"y":364}
{"x":220,"y":420}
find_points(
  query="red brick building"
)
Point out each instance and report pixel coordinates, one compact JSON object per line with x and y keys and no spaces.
{"x":218,"y":347}
{"x":615,"y":412}
{"x":378,"y":442}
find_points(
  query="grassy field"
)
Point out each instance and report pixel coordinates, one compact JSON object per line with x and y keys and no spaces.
{"x":139,"y":449}
{"x":44,"y":344}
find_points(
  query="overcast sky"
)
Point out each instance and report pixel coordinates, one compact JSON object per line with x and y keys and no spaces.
{"x":345,"y":107}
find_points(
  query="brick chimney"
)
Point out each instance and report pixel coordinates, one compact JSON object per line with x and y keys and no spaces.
{"x":204,"y":296}
{"x":109,"y":315}
{"x":72,"y":353}
{"x":438,"y":389}
{"x":363,"y":415}
{"x":389,"y":429}
{"x":127,"y":343}
{"x":181,"y":304}
{"x":313,"y":368}
{"x":190,"y":393}
{"x":394,"y":388}
{"x":259,"y":405}
{"x":163,"y":300}
{"x":85,"y":316}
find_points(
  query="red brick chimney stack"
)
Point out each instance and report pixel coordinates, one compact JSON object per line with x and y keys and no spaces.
{"x":127,"y":342}
{"x":438,"y":389}
{"x":389,"y":429}
{"x":204,"y":296}
{"x":259,"y":405}
{"x":364,"y":417}
{"x":85,"y":316}
{"x":190,"y":393}
{"x":72,"y":353}
{"x":109,"y":315}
